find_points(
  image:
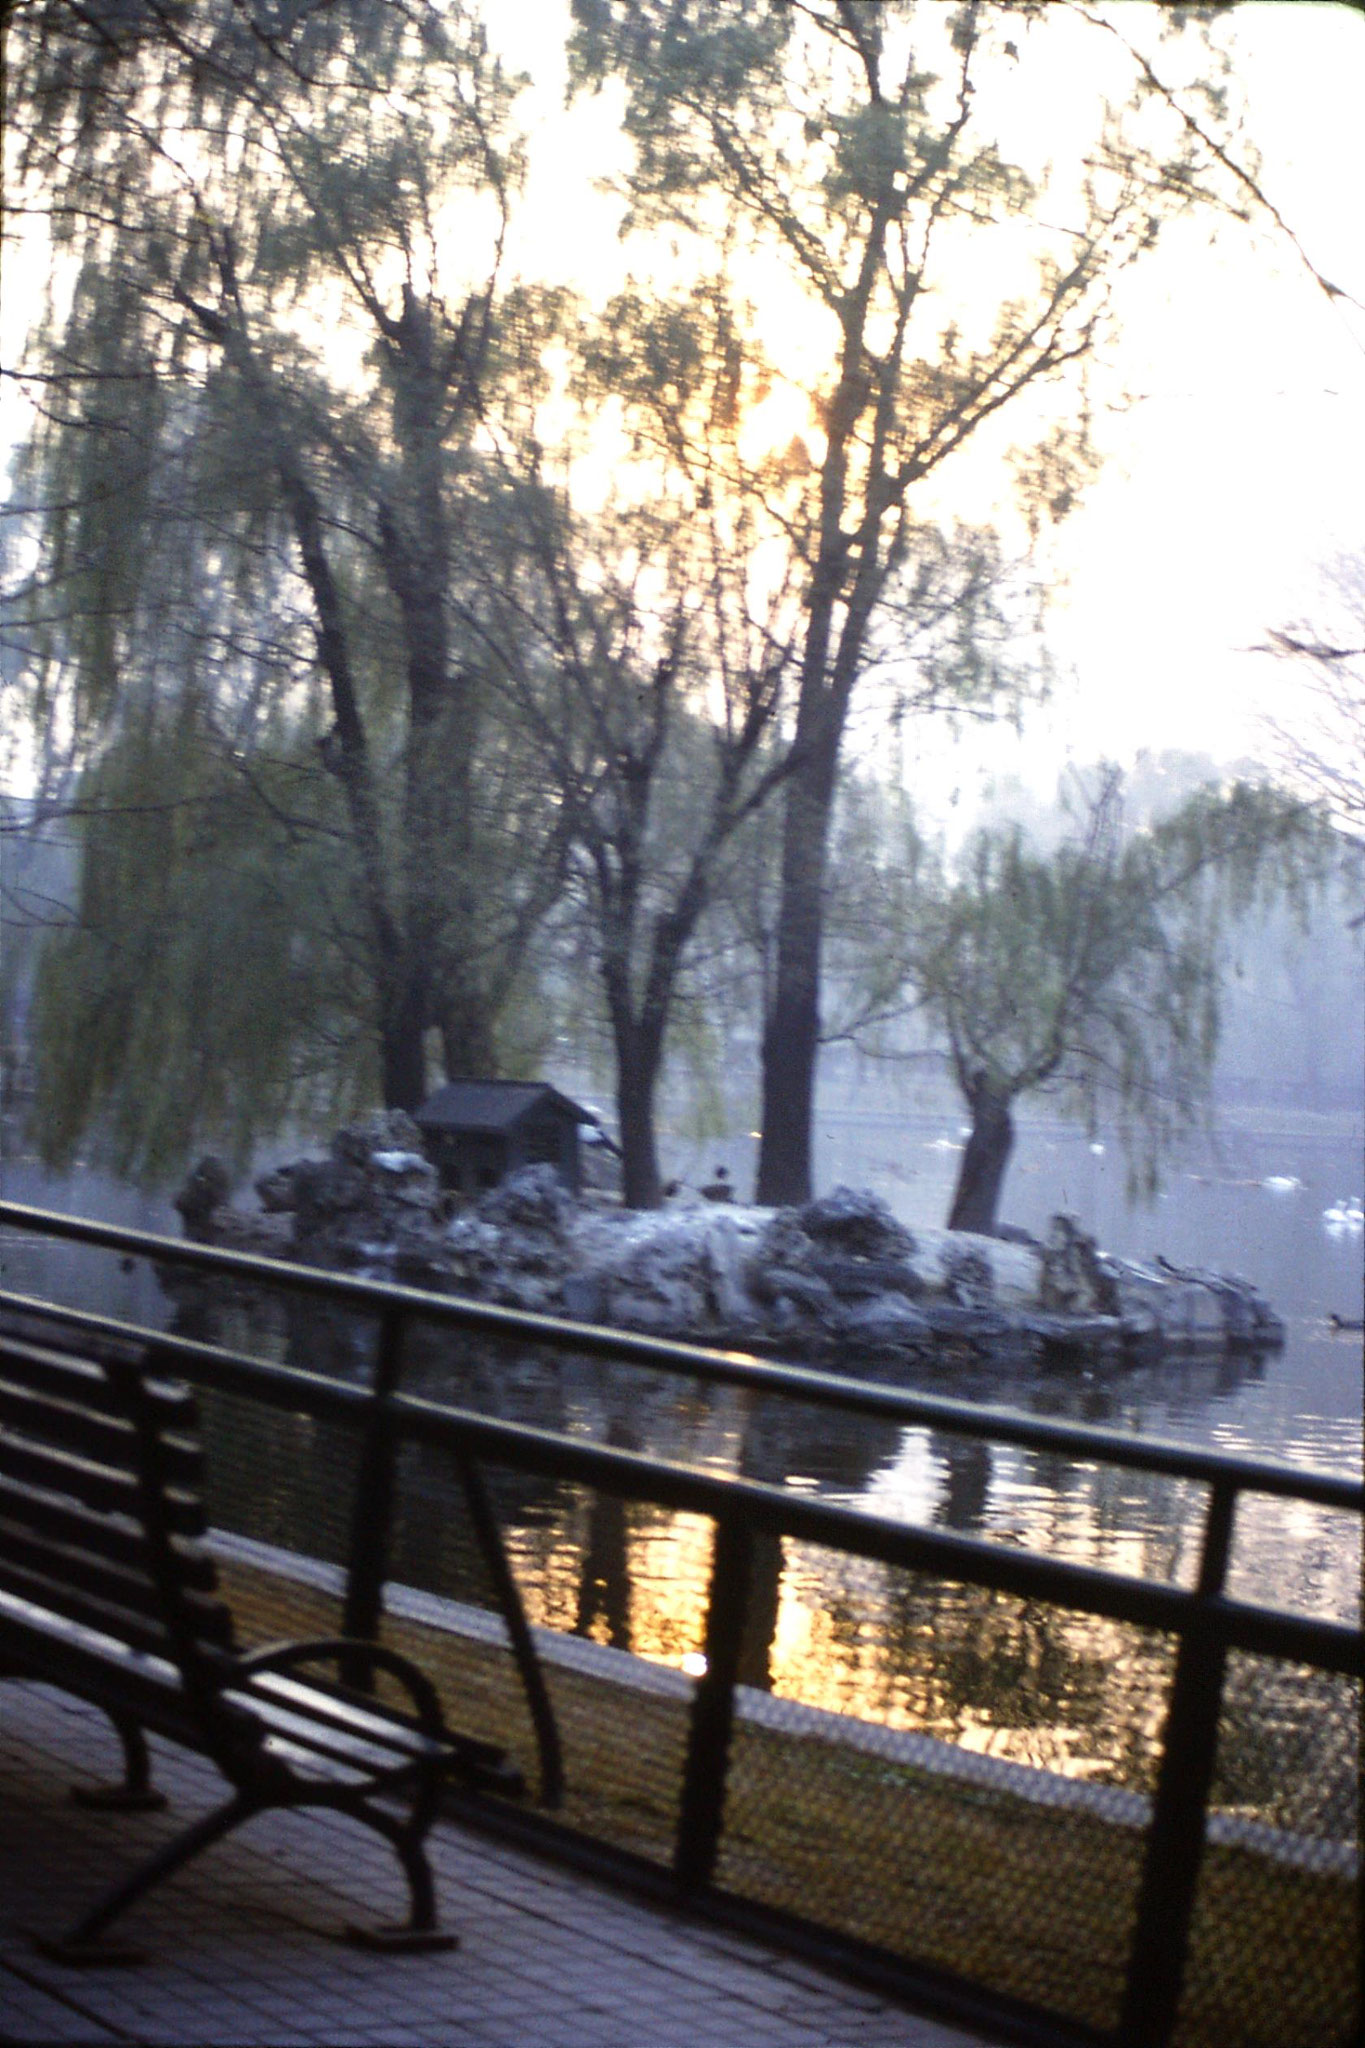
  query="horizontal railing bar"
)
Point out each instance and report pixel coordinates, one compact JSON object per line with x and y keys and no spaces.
{"x":1082,"y":1441}
{"x":636,"y":1475}
{"x":1264,"y":1632}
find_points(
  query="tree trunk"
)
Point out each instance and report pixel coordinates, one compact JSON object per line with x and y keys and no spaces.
{"x":791,"y":1035}
{"x":639,"y":1050}
{"x":439,"y":884}
{"x":467,"y":1049}
{"x":983,"y":1163}
{"x":402,"y":1041}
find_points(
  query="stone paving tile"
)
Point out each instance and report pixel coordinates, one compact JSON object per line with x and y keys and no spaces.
{"x":242,"y":1948}
{"x":29,"y":2014}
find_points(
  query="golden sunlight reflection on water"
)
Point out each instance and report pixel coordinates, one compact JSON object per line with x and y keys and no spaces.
{"x":836,"y":1633}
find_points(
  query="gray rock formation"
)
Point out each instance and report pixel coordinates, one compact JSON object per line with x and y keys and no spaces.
{"x":206,"y":1190}
{"x":1076,"y":1281}
{"x":839,"y":1282}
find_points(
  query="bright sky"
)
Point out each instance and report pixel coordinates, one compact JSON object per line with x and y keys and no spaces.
{"x":1234,"y":475}
{"x":1237,"y":470}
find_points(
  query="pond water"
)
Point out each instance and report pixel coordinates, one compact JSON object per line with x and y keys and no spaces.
{"x":989,"y":1672}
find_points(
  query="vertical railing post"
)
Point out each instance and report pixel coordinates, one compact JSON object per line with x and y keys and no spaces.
{"x":488,"y":1536}
{"x":713,"y":1710}
{"x":372,"y":1508}
{"x":1175,"y":1842}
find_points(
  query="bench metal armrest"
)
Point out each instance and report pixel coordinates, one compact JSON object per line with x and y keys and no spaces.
{"x":281,"y":1656}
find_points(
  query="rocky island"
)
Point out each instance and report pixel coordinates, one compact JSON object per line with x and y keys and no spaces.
{"x":839,"y":1282}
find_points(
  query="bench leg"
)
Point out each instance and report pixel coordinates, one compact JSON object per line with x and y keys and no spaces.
{"x":421,"y":1931}
{"x":136,"y":1794}
{"x":84,"y":1948}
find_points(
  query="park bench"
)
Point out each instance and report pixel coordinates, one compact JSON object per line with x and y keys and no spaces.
{"x":108,"y":1591}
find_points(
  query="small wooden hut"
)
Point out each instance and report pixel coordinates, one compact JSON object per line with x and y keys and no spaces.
{"x":477,"y":1132}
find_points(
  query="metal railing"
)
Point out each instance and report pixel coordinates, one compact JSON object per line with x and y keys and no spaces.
{"x":1205,"y":1624}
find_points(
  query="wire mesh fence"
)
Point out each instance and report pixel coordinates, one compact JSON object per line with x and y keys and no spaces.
{"x":843,"y":1806}
{"x":1275,"y":1933}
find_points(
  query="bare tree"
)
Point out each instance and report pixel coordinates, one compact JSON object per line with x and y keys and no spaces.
{"x":1321,"y":751}
{"x":849,"y":145}
{"x":647,"y":666}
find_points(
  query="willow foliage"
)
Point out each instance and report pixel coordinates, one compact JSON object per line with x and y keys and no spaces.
{"x":1095,"y":970}
{"x":275,"y":321}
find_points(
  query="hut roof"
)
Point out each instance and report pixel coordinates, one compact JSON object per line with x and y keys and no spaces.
{"x":493,"y":1105}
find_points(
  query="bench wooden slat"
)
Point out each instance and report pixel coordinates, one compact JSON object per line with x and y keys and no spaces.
{"x":102,"y":1616}
{"x":122,"y":1584}
{"x":86,"y":1571}
{"x":98,"y":1487}
{"x":22,"y":1616}
{"x":44,"y":1371}
{"x":94,"y":1665}
{"x":356,"y":1712}
{"x":109,"y":1441}
{"x":306,"y":1763}
{"x":33,"y":1637}
{"x":329,"y":1742}
{"x":112,"y":1535}
{"x":486,"y":1761}
{"x":67,"y":1377}
{"x":108,"y":1615}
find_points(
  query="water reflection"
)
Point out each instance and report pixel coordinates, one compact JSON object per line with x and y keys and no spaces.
{"x":967,"y":1468}
{"x":604,"y":1568}
{"x":784,"y":1444}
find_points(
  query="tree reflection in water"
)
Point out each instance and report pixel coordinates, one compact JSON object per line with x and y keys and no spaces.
{"x":604,"y":1569}
{"x":966,"y":1463}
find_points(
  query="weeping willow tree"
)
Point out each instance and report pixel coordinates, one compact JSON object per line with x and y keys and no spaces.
{"x":222,"y":1003}
{"x":1094,"y":970}
{"x":275,"y":316}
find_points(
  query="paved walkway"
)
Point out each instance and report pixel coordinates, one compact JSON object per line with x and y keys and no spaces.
{"x":240,"y":1950}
